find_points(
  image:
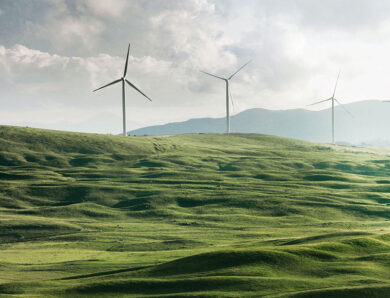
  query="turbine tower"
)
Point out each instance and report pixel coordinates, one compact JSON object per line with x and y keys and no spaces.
{"x":333,"y":100}
{"x":123,"y":80}
{"x":227,"y":93}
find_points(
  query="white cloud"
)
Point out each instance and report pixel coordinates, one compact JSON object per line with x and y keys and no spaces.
{"x":193,"y":36}
{"x":68,"y":32}
{"x":22,"y":63}
{"x":76,"y":46}
{"x":106,"y":8}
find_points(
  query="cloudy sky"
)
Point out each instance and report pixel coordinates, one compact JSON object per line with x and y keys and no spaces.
{"x":54,"y":52}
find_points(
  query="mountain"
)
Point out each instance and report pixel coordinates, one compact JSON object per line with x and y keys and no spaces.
{"x":369,"y":124}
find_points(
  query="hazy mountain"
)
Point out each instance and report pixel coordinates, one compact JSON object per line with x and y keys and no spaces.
{"x":370,"y":124}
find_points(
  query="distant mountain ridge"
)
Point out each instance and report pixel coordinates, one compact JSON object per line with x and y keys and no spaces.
{"x":370,"y":124}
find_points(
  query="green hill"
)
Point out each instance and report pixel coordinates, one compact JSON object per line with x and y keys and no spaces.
{"x":203,"y":215}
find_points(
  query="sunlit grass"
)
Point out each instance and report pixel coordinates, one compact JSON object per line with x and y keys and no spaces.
{"x":207,"y":214}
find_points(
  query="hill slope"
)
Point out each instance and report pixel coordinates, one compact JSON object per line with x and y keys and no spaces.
{"x":370,"y":124}
{"x":205,"y":215}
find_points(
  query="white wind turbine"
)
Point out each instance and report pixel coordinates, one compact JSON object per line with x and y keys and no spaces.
{"x":227,"y":93}
{"x":123,"y":80}
{"x":333,"y":99}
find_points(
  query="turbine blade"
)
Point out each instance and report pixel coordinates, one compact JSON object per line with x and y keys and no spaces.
{"x":127,"y":60}
{"x":112,"y":83}
{"x":343,"y":107}
{"x":239,"y":69}
{"x":231,"y":99}
{"x":312,"y":104}
{"x":128,"y":82}
{"x":335,"y":86}
{"x":213,"y":75}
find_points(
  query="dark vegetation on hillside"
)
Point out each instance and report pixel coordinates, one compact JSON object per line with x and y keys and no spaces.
{"x":191,"y":215}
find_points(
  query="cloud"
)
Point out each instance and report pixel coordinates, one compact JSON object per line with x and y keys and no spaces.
{"x":53,"y":53}
{"x":107,"y":8}
{"x":50,"y":71}
{"x":344,"y":15}
{"x":66,"y":31}
{"x":193,"y":35}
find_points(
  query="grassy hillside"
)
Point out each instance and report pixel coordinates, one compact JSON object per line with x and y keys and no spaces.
{"x":191,"y":215}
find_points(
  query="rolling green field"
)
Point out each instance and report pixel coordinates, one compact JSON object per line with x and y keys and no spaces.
{"x":191,"y":215}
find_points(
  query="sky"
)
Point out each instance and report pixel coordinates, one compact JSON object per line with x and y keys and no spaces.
{"x":53,"y":53}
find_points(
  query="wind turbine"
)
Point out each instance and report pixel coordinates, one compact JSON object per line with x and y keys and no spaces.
{"x":333,"y":99}
{"x":123,"y":80}
{"x":227,"y":93}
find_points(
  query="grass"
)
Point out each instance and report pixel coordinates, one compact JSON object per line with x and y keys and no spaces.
{"x":203,"y":215}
